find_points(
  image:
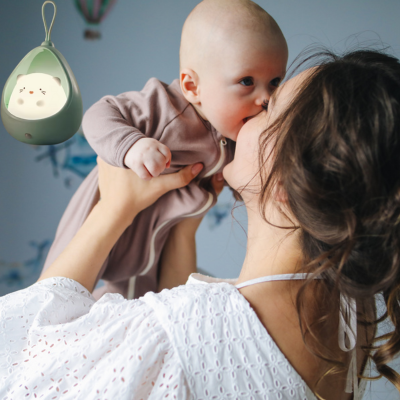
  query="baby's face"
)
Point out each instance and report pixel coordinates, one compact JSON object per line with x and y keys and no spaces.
{"x":237,"y":81}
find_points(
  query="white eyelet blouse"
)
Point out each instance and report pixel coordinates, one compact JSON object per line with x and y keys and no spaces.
{"x":198,"y":341}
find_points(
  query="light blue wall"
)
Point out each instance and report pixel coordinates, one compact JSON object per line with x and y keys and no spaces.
{"x":141,"y":40}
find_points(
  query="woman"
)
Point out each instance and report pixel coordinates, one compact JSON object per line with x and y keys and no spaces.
{"x":323,"y":211}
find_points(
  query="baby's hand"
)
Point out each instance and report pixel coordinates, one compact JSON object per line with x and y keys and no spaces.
{"x":148,"y":158}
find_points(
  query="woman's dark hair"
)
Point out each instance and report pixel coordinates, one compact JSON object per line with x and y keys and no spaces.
{"x":337,"y":157}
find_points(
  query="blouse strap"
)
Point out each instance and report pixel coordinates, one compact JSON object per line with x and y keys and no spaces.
{"x":348,"y":340}
{"x":270,"y":278}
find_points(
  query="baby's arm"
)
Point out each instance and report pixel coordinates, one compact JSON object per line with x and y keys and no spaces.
{"x":125,"y":128}
{"x":178,"y":259}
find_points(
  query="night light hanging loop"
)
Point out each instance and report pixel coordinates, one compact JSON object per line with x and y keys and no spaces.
{"x":48,"y":32}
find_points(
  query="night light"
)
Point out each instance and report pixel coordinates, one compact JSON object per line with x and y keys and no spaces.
{"x":41,"y":103}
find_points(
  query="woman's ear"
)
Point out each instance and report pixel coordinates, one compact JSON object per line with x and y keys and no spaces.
{"x":189,"y":82}
{"x":279,"y":193}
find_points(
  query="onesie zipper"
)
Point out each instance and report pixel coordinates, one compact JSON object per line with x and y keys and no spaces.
{"x":218,"y":165}
{"x":132,"y":279}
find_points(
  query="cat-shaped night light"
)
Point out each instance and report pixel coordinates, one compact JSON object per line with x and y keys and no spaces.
{"x":41,"y":103}
{"x":37,"y":96}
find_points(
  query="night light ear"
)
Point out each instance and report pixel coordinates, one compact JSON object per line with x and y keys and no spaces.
{"x":189,"y":82}
{"x":19,"y":77}
{"x":58,"y":80}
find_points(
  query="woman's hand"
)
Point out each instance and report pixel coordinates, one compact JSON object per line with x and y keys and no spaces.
{"x":126,"y":194}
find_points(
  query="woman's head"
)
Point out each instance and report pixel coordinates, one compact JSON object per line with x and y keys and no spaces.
{"x":334,"y":150}
{"x":337,"y":158}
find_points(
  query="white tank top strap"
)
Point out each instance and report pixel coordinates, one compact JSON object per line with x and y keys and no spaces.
{"x":347,"y":325}
{"x":271,"y":278}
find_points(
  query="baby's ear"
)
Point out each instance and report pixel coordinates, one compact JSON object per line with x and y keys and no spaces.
{"x":189,"y":81}
{"x":19,"y":77}
{"x":58,"y":80}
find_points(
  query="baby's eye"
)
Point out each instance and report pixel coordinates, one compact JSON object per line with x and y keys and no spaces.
{"x":275,"y":82}
{"x":247,"y":81}
{"x":264,"y":105}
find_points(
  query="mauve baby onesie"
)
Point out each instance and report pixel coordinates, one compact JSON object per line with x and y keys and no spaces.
{"x":112,"y":126}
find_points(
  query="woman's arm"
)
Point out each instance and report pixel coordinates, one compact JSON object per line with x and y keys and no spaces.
{"x":82,"y":259}
{"x":123,"y":196}
{"x":178,"y":259}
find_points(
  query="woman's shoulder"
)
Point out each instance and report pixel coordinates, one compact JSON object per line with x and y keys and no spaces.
{"x":200,"y":291}
{"x":222,"y":345}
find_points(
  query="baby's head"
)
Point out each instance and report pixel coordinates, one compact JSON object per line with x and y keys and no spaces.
{"x":233,"y":56}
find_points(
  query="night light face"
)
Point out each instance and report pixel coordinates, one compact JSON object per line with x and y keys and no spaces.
{"x":37,"y":96}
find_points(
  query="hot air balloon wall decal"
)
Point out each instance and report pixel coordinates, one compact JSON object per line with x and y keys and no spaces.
{"x":41,"y":103}
{"x":94,"y":12}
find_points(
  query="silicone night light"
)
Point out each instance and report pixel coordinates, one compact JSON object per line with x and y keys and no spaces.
{"x":41,"y":103}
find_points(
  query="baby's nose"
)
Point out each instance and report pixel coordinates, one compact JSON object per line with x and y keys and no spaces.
{"x":261,"y":100}
{"x":31,"y":92}
{"x":262,"y":97}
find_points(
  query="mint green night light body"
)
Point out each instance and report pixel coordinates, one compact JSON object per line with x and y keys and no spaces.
{"x":56,"y":128}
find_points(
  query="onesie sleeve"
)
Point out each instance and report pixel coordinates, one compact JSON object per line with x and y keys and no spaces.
{"x":115,"y":123}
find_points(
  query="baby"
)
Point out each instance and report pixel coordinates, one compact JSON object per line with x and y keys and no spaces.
{"x":233,"y":56}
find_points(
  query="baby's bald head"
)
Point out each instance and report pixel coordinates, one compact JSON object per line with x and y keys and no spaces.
{"x":217,"y":23}
{"x":233,"y":56}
